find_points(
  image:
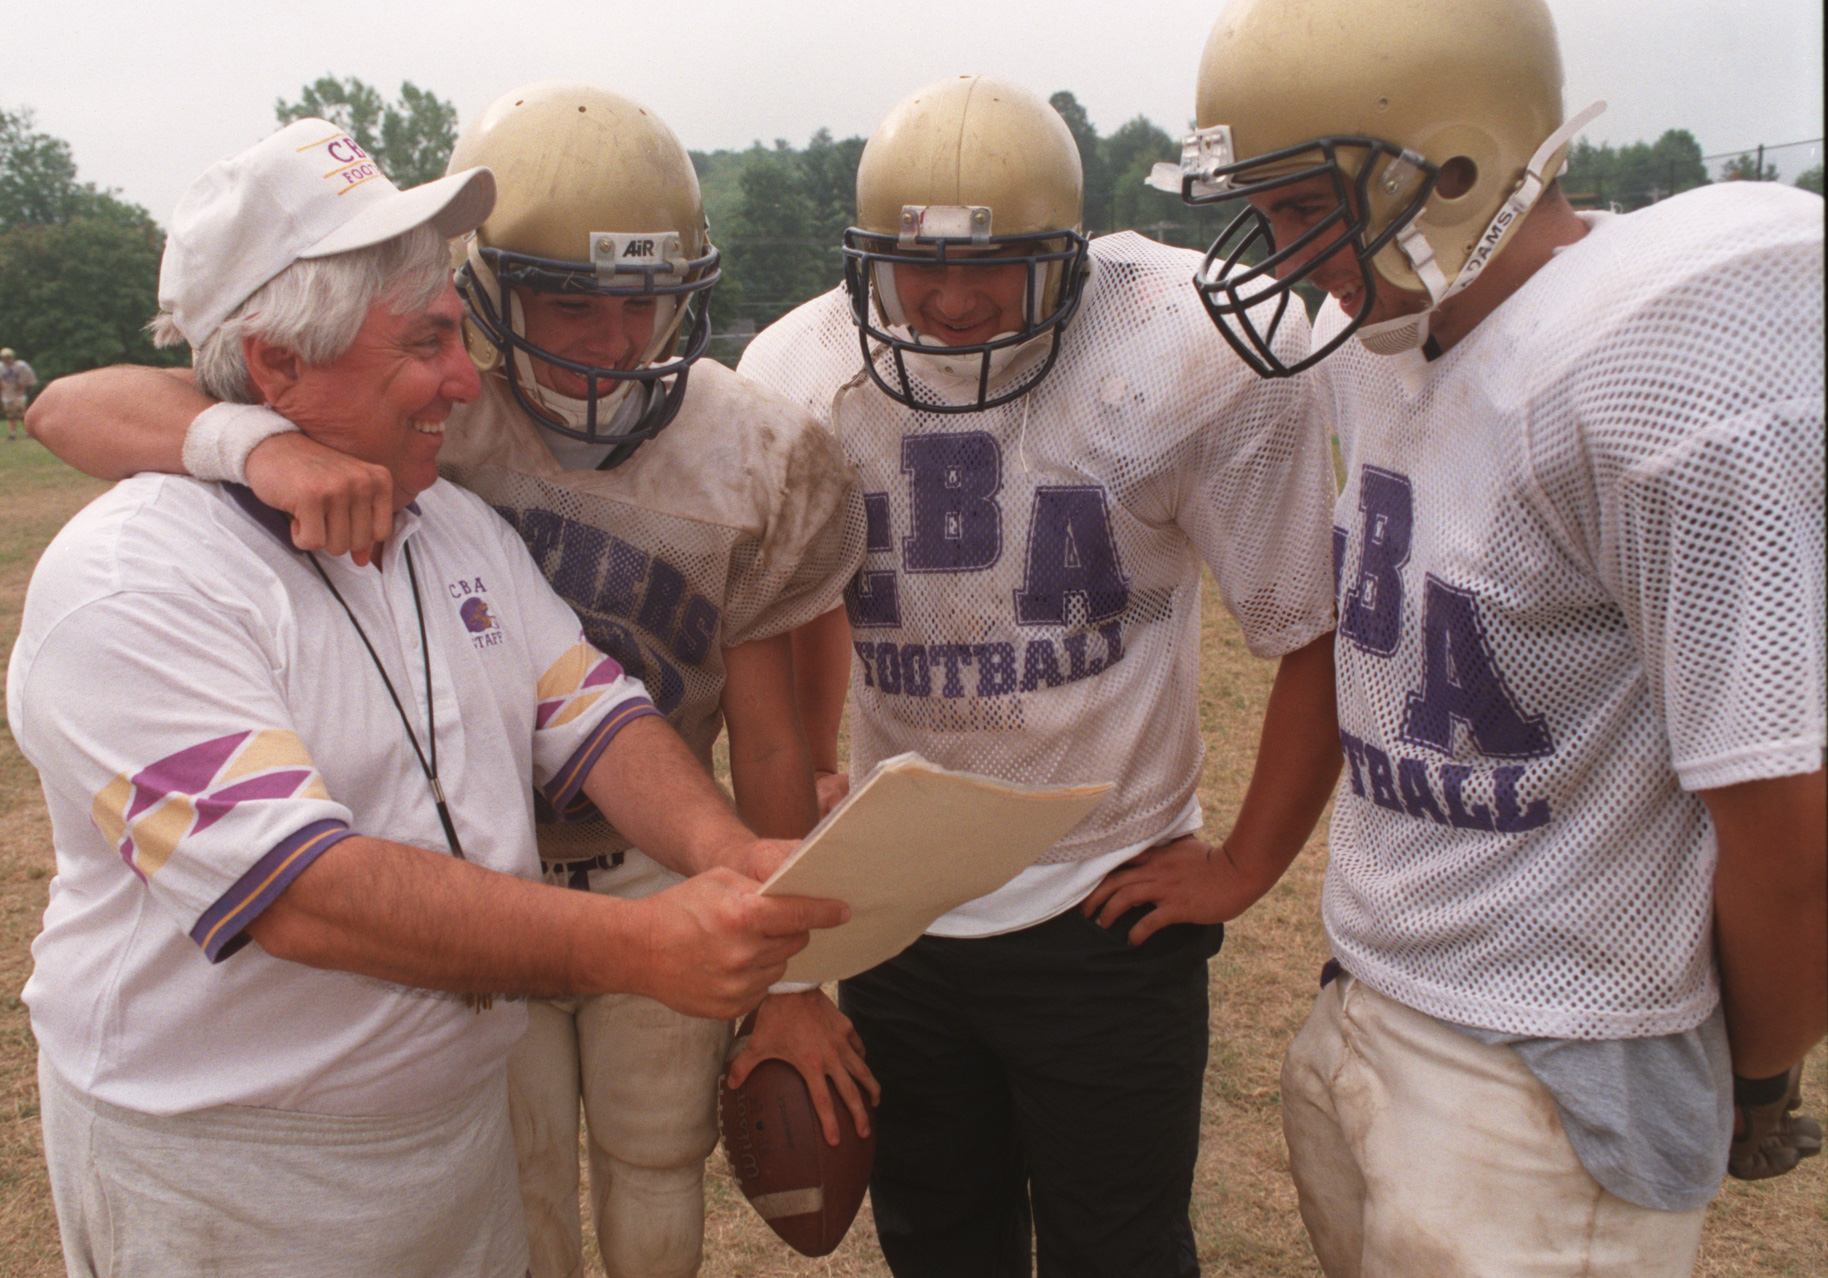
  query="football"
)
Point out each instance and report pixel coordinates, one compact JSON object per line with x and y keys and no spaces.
{"x":807,"y":1191}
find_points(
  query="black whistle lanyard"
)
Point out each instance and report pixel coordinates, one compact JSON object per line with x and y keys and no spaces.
{"x":430,"y":768}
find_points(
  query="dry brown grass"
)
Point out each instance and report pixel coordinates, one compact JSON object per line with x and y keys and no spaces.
{"x":37,"y":496}
{"x":1262,"y":982}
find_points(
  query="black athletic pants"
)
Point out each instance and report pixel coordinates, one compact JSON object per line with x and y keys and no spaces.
{"x":1049,"y":1076}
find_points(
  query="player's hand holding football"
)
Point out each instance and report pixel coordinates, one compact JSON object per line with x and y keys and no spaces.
{"x":339,"y":504}
{"x":808,"y":1032}
{"x":713,"y":946}
{"x":1187,"y":881}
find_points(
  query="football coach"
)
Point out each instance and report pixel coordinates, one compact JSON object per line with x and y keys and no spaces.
{"x":336,"y":761}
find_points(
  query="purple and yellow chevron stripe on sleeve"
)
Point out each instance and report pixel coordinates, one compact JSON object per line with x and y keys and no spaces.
{"x":146,"y":814}
{"x":575,"y":684}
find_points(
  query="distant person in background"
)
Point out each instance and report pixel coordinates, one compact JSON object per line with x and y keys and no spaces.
{"x":16,"y":378}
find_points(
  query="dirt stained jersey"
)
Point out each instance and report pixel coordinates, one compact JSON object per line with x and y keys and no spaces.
{"x":1029,"y":603}
{"x":740,"y":521}
{"x":1580,"y":575}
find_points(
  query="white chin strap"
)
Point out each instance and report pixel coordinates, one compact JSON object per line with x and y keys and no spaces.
{"x":616,"y":409}
{"x":1407,"y":332}
{"x":950,"y":372}
{"x":895,"y":315}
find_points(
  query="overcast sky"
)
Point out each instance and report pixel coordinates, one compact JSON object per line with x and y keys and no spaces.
{"x":150,"y":94}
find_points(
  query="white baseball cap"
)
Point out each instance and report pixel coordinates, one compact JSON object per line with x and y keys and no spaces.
{"x":307,"y":191}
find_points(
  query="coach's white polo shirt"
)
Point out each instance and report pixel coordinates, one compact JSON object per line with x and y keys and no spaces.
{"x":206,"y":721}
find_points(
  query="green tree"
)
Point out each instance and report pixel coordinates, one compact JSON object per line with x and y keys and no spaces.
{"x":410,"y":139}
{"x":1129,"y":154}
{"x":718,"y":172}
{"x":79,"y":268}
{"x":76,"y":294}
{"x":771,"y":263}
{"x":37,"y":173}
{"x":1634,"y":175}
{"x":1811,"y":179}
{"x":829,"y":170}
{"x":1589,"y":170}
{"x":417,"y":136}
{"x":1748,"y":167}
{"x":1099,"y":214}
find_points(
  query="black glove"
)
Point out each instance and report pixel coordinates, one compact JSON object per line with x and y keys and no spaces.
{"x":1768,"y":1138}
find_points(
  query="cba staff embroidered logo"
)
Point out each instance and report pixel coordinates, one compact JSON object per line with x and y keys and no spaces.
{"x":478,"y":618}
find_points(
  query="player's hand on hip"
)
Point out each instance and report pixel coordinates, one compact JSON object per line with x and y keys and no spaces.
{"x":1186,"y":881}
{"x":338,"y":503}
{"x":715,"y":946}
{"x":808,"y":1032}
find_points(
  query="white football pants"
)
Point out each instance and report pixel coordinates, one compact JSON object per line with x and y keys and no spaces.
{"x":648,"y":1078}
{"x":1419,"y":1150}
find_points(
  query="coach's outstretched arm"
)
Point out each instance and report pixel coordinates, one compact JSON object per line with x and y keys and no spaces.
{"x":126,"y":420}
{"x":1298,"y":761}
{"x":1771,"y":918}
{"x":707,"y":947}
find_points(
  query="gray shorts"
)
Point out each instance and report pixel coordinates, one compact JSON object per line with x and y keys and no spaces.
{"x":431,"y":1194}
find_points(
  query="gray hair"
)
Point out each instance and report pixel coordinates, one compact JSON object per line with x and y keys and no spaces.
{"x":315,"y":308}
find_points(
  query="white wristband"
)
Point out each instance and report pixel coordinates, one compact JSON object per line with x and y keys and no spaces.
{"x":217,"y":445}
{"x":792,"y":987}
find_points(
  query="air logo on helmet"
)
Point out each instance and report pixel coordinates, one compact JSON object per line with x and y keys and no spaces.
{"x":644,"y":251}
{"x":944,"y":222}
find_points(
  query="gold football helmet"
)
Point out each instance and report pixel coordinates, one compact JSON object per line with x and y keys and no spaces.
{"x":1439,"y":123}
{"x":974,"y":173}
{"x":596,"y":196}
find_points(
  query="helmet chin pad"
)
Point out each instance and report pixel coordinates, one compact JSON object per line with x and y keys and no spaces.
{"x":1394,"y":336}
{"x":989,"y":373}
{"x":950,"y":368}
{"x":488,"y":276}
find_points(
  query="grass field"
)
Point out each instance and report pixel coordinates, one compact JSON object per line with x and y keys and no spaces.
{"x":1262,"y":982}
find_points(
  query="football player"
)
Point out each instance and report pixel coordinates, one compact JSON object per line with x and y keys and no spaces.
{"x":1576,"y":889}
{"x":1051,"y":442}
{"x":690,"y":518}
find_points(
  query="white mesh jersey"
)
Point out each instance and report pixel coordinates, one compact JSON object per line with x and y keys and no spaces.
{"x":1029,"y":606}
{"x":739,"y":521}
{"x":1579,"y":563}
